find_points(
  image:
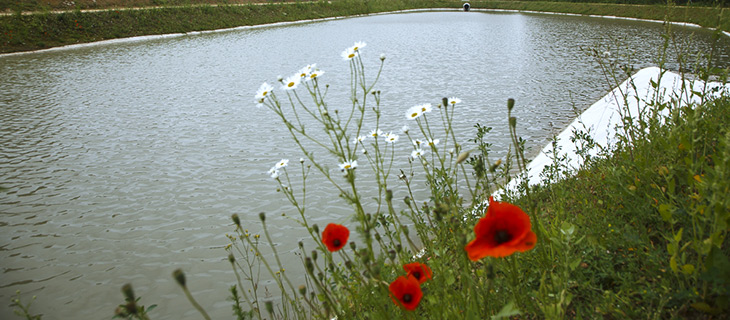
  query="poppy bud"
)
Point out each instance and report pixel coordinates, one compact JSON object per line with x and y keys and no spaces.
{"x":262,"y":216}
{"x":128,"y":292}
{"x":231,"y":259}
{"x":407,"y":201}
{"x":301,"y":244}
{"x":314,"y":255}
{"x":510,"y":104}
{"x":512,"y":122}
{"x":389,"y":195}
{"x":445,"y":101}
{"x":309,"y":265}
{"x":269,"y":306}
{"x":179,"y":276}
{"x":236,"y":220}
{"x":315,"y":228}
{"x":353,"y":246}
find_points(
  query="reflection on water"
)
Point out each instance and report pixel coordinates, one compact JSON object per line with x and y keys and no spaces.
{"x":125,"y":161}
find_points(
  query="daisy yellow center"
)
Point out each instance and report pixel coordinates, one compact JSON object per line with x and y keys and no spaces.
{"x":413,"y":115}
{"x":355,"y":48}
{"x":352,"y":55}
{"x":347,"y":166}
{"x":265,"y":93}
{"x":291,"y":84}
{"x":502,"y":236}
{"x":314,"y":75}
{"x":423,"y":109}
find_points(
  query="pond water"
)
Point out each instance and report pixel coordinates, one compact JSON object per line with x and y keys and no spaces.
{"x":122,"y":162}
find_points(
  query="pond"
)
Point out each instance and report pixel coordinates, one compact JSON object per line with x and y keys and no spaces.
{"x":124,"y":161}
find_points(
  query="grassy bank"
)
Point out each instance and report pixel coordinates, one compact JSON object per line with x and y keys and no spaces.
{"x":45,"y":29}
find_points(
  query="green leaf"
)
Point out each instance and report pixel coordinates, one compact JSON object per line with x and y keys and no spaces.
{"x":665,"y":211}
{"x":450,"y":279}
{"x":574,"y":264}
{"x":673,"y":263}
{"x":507,"y":311}
{"x":688,"y":269}
{"x":678,"y":235}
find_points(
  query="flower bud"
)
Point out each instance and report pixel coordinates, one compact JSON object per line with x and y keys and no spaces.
{"x":389,"y":195}
{"x":309,"y":265}
{"x":353,"y":246}
{"x":398,"y":248}
{"x":513,"y":122}
{"x":301,"y":244}
{"x":269,"y":307}
{"x":314,"y":255}
{"x":391,"y":254}
{"x":262,"y":216}
{"x":445,"y":101}
{"x":462,"y":156}
{"x":315,"y":228}
{"x":510,"y":104}
{"x":382,"y":57}
{"x":236,"y":220}
{"x":128,"y":292}
{"x":179,"y":276}
{"x":302,"y":290}
{"x":231,"y":258}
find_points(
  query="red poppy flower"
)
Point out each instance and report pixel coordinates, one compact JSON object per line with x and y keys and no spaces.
{"x":503,"y":230}
{"x":335,"y":236}
{"x":419,"y":271}
{"x":406,"y":292}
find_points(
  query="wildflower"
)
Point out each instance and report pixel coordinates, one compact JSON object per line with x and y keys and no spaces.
{"x":454,"y":100}
{"x":282,"y":163}
{"x":417,"y":153}
{"x":376,"y":132}
{"x":417,"y":143}
{"x":404,"y":129}
{"x":390,"y":137}
{"x":414,"y":112}
{"x":307,"y":70}
{"x":382,"y":56}
{"x":349,"y":54}
{"x":358,"y":45}
{"x":316,"y":74}
{"x":348,"y":165}
{"x":359,"y":139}
{"x":433,"y":142}
{"x":504,"y":229}
{"x":419,"y":271}
{"x":273,"y":173}
{"x":301,"y":160}
{"x":406,"y":292}
{"x":263,"y":92}
{"x":426,"y":107}
{"x":335,"y":236}
{"x":291,"y":82}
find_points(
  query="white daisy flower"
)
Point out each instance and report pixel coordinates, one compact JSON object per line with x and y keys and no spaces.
{"x":433,"y":142}
{"x":417,"y":143}
{"x":413,"y":112}
{"x":454,"y":100}
{"x":404,"y":129}
{"x":304,"y":72}
{"x":263,"y":91}
{"x":301,"y":160}
{"x":382,"y":56}
{"x":282,"y":163}
{"x":417,"y":153}
{"x":292,"y":82}
{"x":273,"y":173}
{"x":390,"y":137}
{"x":358,"y":45}
{"x":348,"y":165}
{"x":359,"y":139}
{"x":426,"y":107}
{"x":348,"y":54}
{"x":376,"y":132}
{"x":316,"y":74}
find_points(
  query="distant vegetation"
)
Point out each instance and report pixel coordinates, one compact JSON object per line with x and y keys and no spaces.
{"x":39,"y":24}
